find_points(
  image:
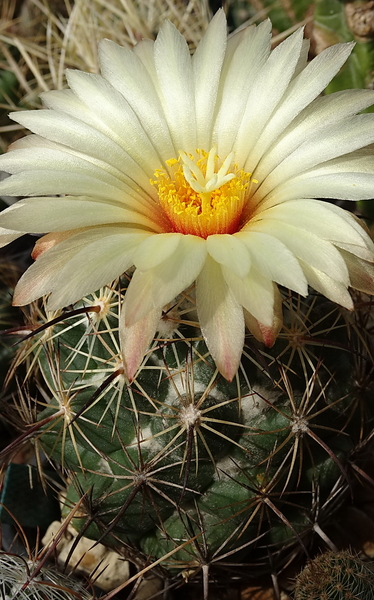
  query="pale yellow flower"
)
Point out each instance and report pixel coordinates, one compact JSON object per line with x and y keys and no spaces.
{"x":196,"y":169}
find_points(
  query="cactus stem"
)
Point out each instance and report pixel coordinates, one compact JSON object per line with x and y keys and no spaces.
{"x":190,"y":436}
{"x":140,"y":480}
{"x":29,"y":433}
{"x":332,"y":455}
{"x":59,"y":319}
{"x":284,"y":519}
{"x":112,"y":377}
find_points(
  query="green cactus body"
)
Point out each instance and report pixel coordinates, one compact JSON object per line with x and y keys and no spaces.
{"x":182,"y":463}
{"x":336,"y":21}
{"x":284,"y":14}
{"x":335,"y":576}
{"x":10,"y":316}
{"x":196,"y":536}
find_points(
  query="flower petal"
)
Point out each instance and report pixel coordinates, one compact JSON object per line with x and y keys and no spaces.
{"x":325,"y":110}
{"x":342,"y":186}
{"x":71,"y":174}
{"x":8,"y":235}
{"x":279,"y":67}
{"x":332,"y":289}
{"x":125,"y":71}
{"x":74,"y":133}
{"x":358,"y":131}
{"x":57,"y":214}
{"x":155,"y":249}
{"x":65,"y":158}
{"x":318,"y":253}
{"x":144,"y":50}
{"x":338,"y":226}
{"x":45,"y":182}
{"x":221,"y":319}
{"x":361,"y":273}
{"x":156,"y":287}
{"x":105,"y":253}
{"x":207,"y":63}
{"x":116,"y":118}
{"x":266,"y":335}
{"x":135,"y":339}
{"x":303,"y":58}
{"x":229,"y":251}
{"x":255,"y":293}
{"x":310,"y":82}
{"x":174,"y":70}
{"x":274,"y":260}
{"x":50,"y":240}
{"x":240,"y":69}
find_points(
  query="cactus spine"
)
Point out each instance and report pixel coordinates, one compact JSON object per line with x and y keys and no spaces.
{"x":335,"y":576}
{"x":184,"y":465}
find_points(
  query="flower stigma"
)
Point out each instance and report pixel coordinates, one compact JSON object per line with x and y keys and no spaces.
{"x":203,"y":195}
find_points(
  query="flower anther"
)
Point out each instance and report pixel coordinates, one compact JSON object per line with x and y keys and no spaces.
{"x":200,"y":198}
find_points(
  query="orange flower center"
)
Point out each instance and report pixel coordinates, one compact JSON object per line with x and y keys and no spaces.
{"x":203,"y":195}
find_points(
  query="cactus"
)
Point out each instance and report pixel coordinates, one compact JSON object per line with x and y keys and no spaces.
{"x":180,"y":470}
{"x":335,"y":576}
{"x":185,"y":469}
{"x":284,"y":14}
{"x":25,"y":579}
{"x":336,"y":21}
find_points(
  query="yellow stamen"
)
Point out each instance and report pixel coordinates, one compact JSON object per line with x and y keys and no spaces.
{"x":203,"y":195}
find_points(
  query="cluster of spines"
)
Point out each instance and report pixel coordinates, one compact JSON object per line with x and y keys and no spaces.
{"x":180,"y":462}
{"x":336,"y":576}
{"x":23,"y":578}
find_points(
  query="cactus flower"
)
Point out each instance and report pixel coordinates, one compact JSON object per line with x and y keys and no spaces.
{"x":201,"y":170}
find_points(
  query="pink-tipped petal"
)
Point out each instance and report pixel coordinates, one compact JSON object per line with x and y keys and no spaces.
{"x":50,"y":240}
{"x":156,"y":287}
{"x":135,"y":339}
{"x":262,"y":333}
{"x":78,"y":265}
{"x":221,"y":319}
